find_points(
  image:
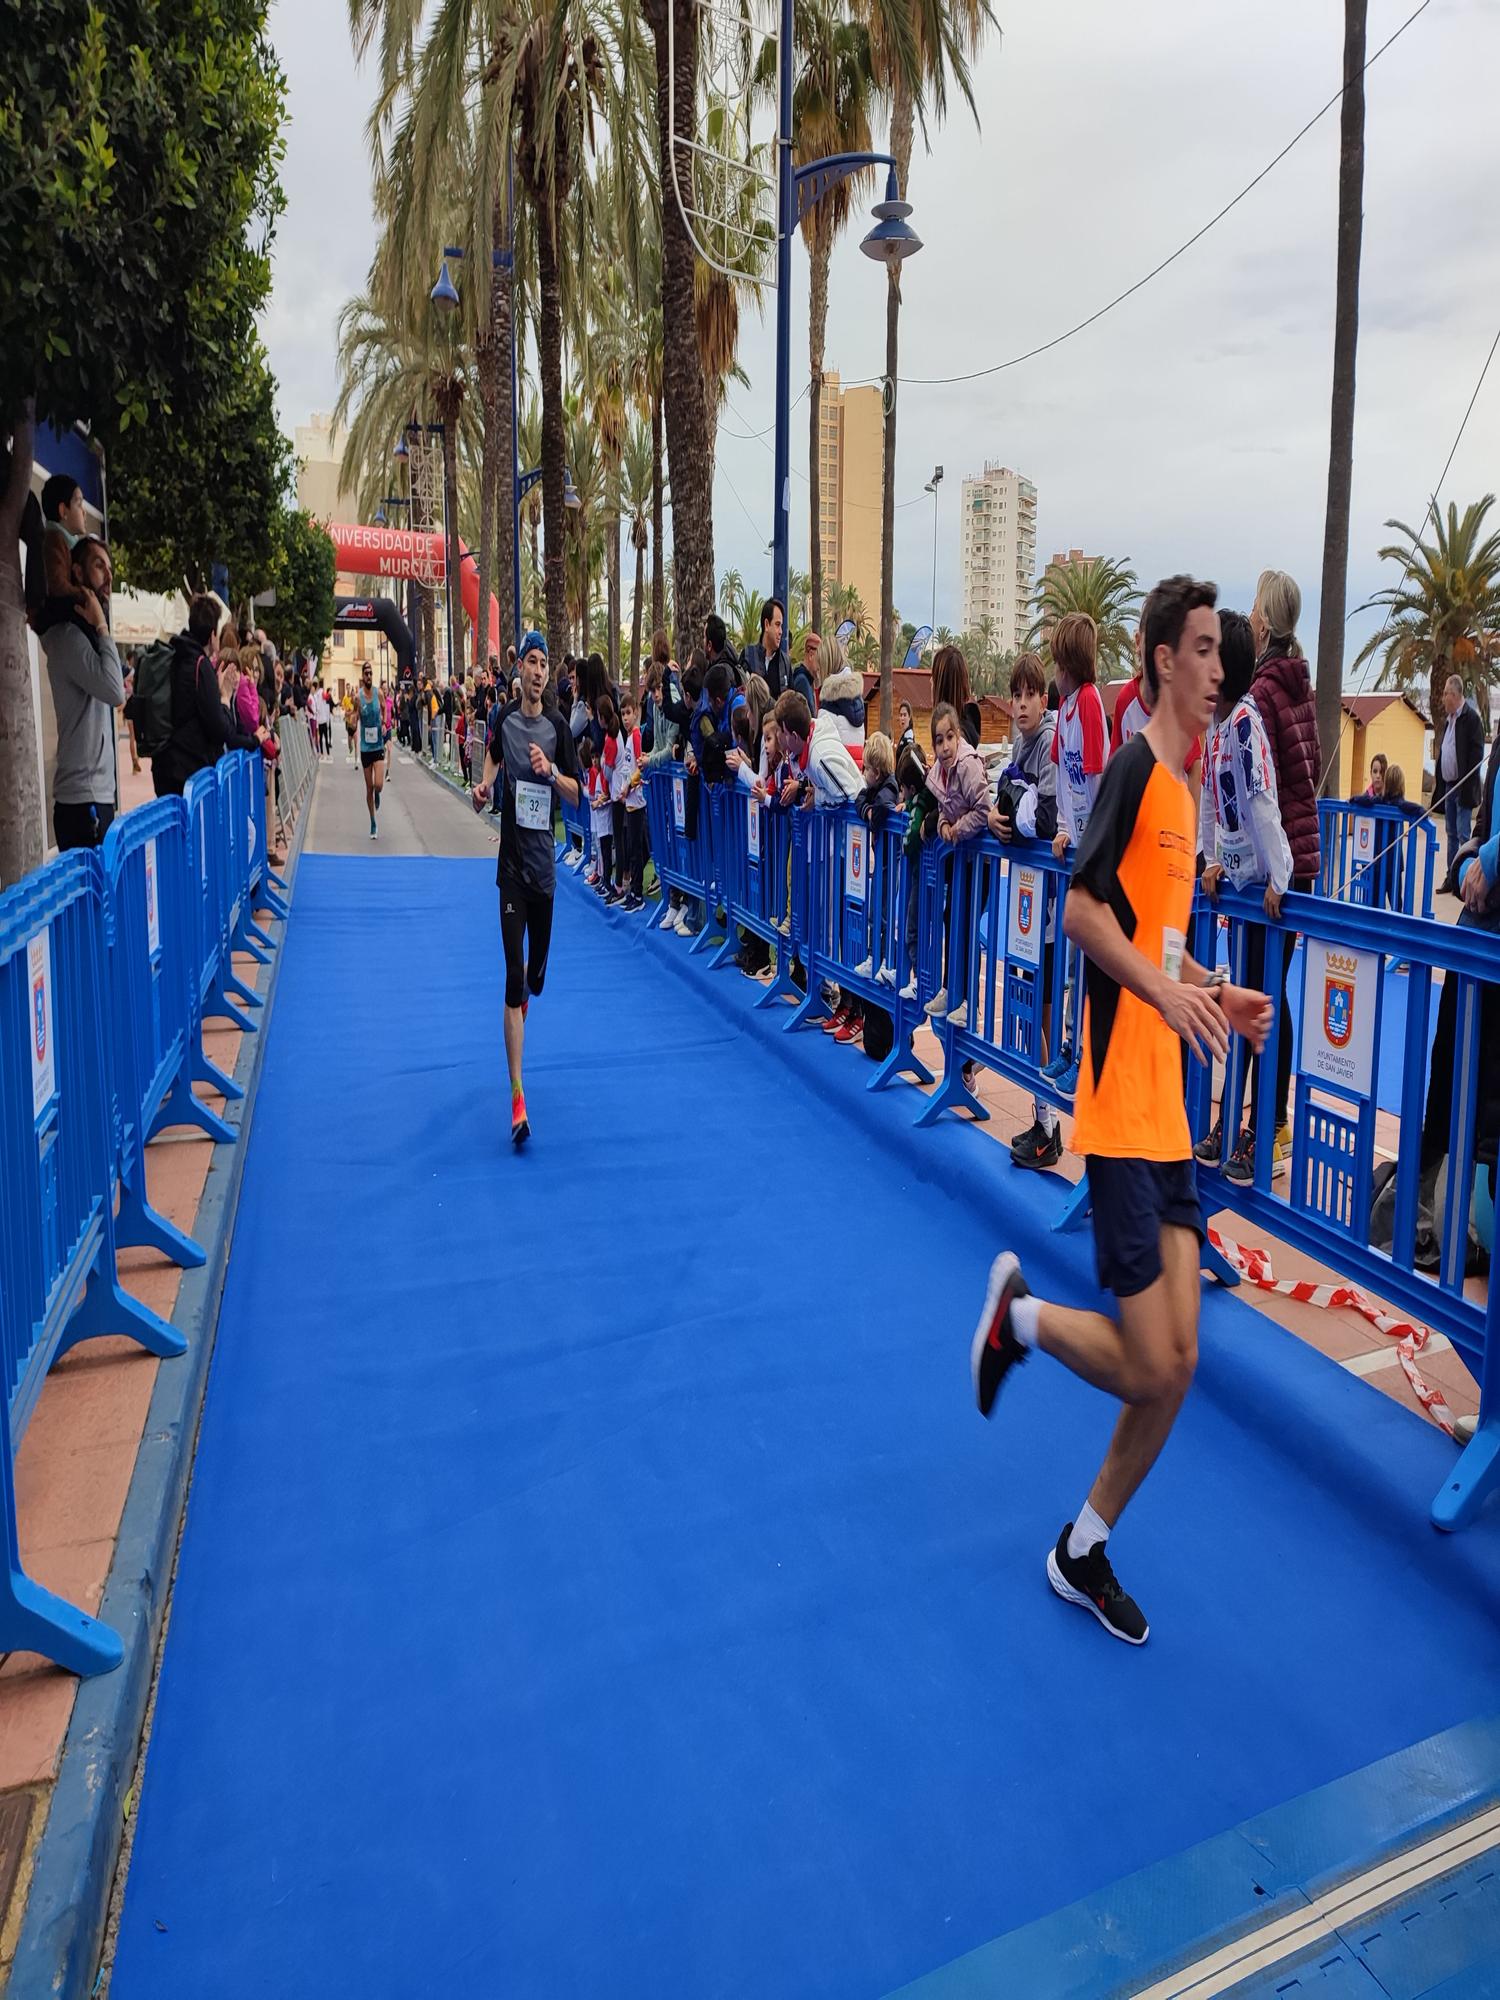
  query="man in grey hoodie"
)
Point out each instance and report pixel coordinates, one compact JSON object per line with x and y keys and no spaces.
{"x":88,"y":685}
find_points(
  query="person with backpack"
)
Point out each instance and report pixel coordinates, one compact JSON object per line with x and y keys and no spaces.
{"x":199,"y":728}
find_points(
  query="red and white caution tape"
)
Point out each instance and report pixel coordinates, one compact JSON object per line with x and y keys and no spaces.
{"x":1410,"y":1338}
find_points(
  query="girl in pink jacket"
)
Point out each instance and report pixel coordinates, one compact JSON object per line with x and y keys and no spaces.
{"x":959,"y":783}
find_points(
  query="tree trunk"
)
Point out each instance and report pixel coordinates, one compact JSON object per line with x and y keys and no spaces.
{"x":901,"y":135}
{"x":1341,"y":426}
{"x":22,"y":836}
{"x":688,"y":442}
{"x":635,"y":620}
{"x":507,"y":555}
{"x":817,"y":340}
{"x":453,"y":660}
{"x":489,"y":371}
{"x":658,"y":572}
{"x":554,"y":434}
{"x":613,"y":586}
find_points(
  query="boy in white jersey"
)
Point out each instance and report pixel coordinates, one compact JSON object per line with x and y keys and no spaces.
{"x":1078,"y":751}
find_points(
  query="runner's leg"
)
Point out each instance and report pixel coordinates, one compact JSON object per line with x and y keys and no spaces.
{"x":1159,"y":1331}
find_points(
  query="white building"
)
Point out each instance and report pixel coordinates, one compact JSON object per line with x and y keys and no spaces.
{"x":997,"y":554}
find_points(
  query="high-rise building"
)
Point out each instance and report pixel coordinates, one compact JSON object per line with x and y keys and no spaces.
{"x":851,"y":454}
{"x":997,"y":551}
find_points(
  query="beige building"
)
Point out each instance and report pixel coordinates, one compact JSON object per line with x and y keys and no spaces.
{"x":851,"y":455}
{"x":997,"y":554}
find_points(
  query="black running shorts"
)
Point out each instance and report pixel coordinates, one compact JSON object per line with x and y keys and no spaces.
{"x":1132,"y":1200}
{"x":369,"y":757}
{"x":526,"y":932}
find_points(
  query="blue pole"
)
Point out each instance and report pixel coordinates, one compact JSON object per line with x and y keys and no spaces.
{"x":786,"y":214}
{"x":515,"y":418}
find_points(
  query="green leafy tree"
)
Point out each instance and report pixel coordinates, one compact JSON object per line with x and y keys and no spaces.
{"x":1107,"y":591}
{"x":208,"y":487}
{"x":302,"y":616}
{"x":139,"y":145}
{"x":1443,"y":614}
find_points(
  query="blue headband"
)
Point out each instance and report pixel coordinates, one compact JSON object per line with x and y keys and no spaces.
{"x":533,"y":642}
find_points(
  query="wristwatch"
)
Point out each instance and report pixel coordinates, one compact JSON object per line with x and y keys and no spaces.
{"x":1216,"y":981}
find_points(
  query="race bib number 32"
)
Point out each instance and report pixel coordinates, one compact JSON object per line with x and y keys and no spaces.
{"x":533,"y":806}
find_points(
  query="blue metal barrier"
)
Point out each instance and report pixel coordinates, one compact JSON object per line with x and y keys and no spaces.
{"x":267,"y":890}
{"x":685,"y":819}
{"x":152,"y":970}
{"x":218,"y":985}
{"x":237,"y":837}
{"x":577,"y":826}
{"x":58,"y":1279}
{"x":857,"y":928}
{"x":1378,"y":855}
{"x":756,"y":869}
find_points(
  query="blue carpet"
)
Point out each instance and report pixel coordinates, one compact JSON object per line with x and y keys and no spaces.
{"x":596,"y":1579}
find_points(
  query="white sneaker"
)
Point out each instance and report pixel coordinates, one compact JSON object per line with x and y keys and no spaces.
{"x":668,"y":919}
{"x":886,"y":976}
{"x":959,"y":1018}
{"x":865,"y":969}
{"x":684,"y":924}
{"x":784,"y":925}
{"x":909,"y":990}
{"x":938,"y":1004}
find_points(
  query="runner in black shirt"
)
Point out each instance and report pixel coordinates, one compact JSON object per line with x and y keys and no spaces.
{"x":528,"y":756}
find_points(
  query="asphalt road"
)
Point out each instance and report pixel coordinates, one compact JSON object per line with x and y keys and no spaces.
{"x":418,"y":813}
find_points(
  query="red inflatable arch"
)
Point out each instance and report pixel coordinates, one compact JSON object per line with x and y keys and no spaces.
{"x":363,"y":551}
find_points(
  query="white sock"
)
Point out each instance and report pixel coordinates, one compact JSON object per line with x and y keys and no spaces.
{"x":1045,"y":1116}
{"x":1088,"y":1529}
{"x":1025,"y":1313}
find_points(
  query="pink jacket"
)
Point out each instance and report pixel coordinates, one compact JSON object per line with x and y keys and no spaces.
{"x":247,"y":705}
{"x":962,"y":794}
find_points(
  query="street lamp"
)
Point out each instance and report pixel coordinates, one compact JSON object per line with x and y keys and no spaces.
{"x":797,"y":190}
{"x":932,"y":487}
{"x":444,"y":294}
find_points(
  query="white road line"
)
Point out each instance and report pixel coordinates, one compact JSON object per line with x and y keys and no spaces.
{"x":1388,"y":1357}
{"x":1309,"y":1925}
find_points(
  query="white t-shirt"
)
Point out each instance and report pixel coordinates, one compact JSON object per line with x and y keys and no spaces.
{"x":1240,"y":817}
{"x":1078,"y":752}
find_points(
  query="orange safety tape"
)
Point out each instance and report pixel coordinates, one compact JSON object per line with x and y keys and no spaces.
{"x":1410,"y":1338}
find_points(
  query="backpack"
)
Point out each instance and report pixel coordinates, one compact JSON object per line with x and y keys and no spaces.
{"x":149,"y":708}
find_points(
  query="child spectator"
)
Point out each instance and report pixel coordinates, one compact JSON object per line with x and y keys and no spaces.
{"x":875,"y":804}
{"x":842,"y":697}
{"x":609,"y":757}
{"x":961,"y":787}
{"x":921,"y":824}
{"x":627,"y":790}
{"x":601,"y":820}
{"x":1078,"y":750}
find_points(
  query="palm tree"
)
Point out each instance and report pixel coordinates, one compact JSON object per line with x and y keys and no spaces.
{"x":917,"y":47}
{"x":1443,"y":614}
{"x":1108,"y":591}
{"x":686,"y":410}
{"x":637,"y":470}
{"x":831,"y":104}
{"x":739,"y":607}
{"x":585,"y":521}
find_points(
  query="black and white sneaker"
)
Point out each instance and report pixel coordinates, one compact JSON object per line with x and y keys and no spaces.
{"x":1090,"y":1581}
{"x":1038,"y":1147}
{"x":994,"y":1348}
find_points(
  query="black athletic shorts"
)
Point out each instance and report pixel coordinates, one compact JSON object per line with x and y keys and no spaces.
{"x":526,"y":932}
{"x":1131,"y":1200}
{"x":369,"y":757}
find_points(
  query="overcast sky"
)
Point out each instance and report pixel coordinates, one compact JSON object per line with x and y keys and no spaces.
{"x":1188,"y":429}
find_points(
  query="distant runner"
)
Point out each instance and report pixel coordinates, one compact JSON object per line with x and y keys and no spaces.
{"x":530,"y":748}
{"x":371,"y":743}
{"x":1128,"y":910}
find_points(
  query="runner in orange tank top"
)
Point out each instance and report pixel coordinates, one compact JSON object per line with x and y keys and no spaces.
{"x":1128,"y":910}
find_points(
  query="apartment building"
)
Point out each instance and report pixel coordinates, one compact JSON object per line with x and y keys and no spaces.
{"x":851,"y":454}
{"x":997,"y":553}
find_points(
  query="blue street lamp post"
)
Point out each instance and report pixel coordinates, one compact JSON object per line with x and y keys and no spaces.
{"x":797,"y":190}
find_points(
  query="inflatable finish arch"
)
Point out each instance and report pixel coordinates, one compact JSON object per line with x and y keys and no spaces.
{"x":362,"y":551}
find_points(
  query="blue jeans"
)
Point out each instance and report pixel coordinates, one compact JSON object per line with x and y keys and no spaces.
{"x":1459,"y":820}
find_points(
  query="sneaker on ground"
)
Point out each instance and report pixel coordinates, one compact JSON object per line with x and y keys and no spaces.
{"x":1059,"y":1064}
{"x":958,"y":1017}
{"x":865,"y":969}
{"x":938,"y":1004}
{"x":614,"y":894}
{"x":1281,"y":1152}
{"x":886,"y":976}
{"x":372,"y":826}
{"x":831,"y":1023}
{"x":669,"y":918}
{"x":1067,"y":1083}
{"x":684,"y":925}
{"x":764,"y":973}
{"x":909,"y":990}
{"x":1241,"y":1166}
{"x":994,"y":1350}
{"x":1038,"y":1147}
{"x":850,"y":1030}
{"x":970,"y":1074}
{"x":1209,"y":1149}
{"x":784,"y":925}
{"x":520,"y":1125}
{"x":1090,"y":1581}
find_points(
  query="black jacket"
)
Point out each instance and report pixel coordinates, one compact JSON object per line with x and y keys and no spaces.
{"x":199,"y":723}
{"x":1469,"y":750}
{"x":774,"y":670}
